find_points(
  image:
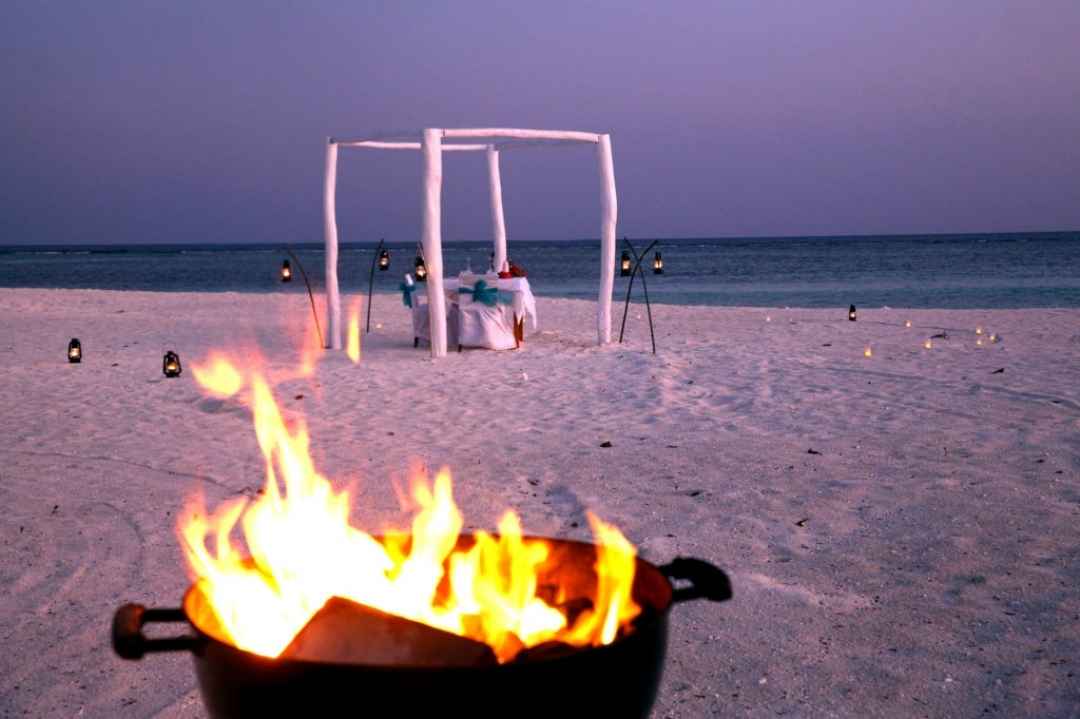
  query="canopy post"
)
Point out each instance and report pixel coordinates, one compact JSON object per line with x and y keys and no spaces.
{"x":497,"y":220}
{"x":609,"y":212}
{"x":432,"y":238}
{"x":333,"y":297}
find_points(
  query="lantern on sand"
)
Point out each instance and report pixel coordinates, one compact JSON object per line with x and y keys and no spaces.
{"x":170,"y":365}
{"x":74,"y":351}
{"x":851,"y":313}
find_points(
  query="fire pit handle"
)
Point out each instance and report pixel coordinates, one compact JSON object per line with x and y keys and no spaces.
{"x":707,"y":581}
{"x":129,"y":641}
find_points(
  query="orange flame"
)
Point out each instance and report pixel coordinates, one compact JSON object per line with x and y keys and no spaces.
{"x":352,"y":345}
{"x":299,"y":550}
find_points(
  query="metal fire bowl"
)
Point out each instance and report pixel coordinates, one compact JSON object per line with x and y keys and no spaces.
{"x":617,"y":680}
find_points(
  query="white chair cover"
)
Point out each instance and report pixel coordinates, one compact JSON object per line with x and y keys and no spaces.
{"x":481,"y":326}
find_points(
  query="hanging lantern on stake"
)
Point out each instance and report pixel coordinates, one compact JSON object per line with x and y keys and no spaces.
{"x":170,"y":365}
{"x":384,"y":260}
{"x":657,"y":264}
{"x":286,"y":272}
{"x":624,"y":264}
{"x":851,"y":313}
{"x":421,"y":269}
{"x":74,"y":351}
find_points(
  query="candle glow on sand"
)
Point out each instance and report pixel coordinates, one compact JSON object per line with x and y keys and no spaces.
{"x":928,"y":344}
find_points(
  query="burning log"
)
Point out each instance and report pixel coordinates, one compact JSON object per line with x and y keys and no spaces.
{"x":345,"y":632}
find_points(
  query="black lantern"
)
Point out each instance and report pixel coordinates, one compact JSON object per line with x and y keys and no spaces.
{"x":170,"y":365}
{"x":384,"y":260}
{"x":851,"y":313}
{"x":658,"y":264}
{"x":286,"y":272}
{"x":624,"y":264}
{"x":421,"y":269}
{"x":74,"y":351}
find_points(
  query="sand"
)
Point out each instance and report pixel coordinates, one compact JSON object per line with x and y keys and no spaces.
{"x":902,"y":531}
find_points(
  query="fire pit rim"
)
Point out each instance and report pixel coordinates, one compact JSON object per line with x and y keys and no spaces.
{"x":706,"y":582}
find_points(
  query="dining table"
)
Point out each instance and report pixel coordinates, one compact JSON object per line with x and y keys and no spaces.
{"x":522,"y":300}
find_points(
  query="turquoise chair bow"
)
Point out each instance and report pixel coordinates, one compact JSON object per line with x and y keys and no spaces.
{"x":482,"y":293}
{"x":406,"y":293}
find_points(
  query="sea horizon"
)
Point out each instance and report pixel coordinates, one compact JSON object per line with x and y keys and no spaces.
{"x":948,"y":271}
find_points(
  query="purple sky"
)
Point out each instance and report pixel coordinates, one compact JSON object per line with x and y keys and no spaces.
{"x":205,"y":122}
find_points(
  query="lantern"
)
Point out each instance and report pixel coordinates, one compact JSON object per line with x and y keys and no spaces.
{"x":868,"y":352}
{"x":907,"y":323}
{"x":421,"y":269}
{"x":624,"y":264}
{"x":657,"y":265}
{"x":170,"y":365}
{"x":928,"y":344}
{"x":74,"y":351}
{"x":978,"y":330}
{"x":851,"y":313}
{"x":286,"y":272}
{"x":384,"y":260}
{"x":978,"y":342}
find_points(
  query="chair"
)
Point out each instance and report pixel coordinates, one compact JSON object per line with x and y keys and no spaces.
{"x":483,"y":325}
{"x":421,"y":319}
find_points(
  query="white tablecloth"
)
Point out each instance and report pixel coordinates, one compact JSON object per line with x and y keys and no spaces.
{"x":523,"y":302}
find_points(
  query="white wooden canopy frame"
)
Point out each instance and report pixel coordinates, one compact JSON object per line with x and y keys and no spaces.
{"x":490,"y":140}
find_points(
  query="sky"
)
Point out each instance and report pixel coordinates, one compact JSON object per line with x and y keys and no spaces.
{"x":203,"y":122}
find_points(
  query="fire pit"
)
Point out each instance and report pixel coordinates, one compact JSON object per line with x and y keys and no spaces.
{"x":294,"y":610}
{"x":615,"y":680}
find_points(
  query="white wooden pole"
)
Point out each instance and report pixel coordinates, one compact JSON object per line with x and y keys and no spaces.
{"x":609,"y":213}
{"x":432,"y":238}
{"x":333,"y":297}
{"x":498,"y":222}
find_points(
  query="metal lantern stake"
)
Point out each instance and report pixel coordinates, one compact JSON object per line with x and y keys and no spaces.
{"x":382,"y":259}
{"x":624,"y":263}
{"x":170,"y":365}
{"x":630,"y":285}
{"x":74,"y":351}
{"x":851,"y":313}
{"x":286,"y":276}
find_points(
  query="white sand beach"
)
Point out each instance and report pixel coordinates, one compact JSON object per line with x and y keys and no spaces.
{"x":902,"y":530}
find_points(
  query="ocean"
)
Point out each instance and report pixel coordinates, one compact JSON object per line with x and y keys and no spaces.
{"x":938,"y":271}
